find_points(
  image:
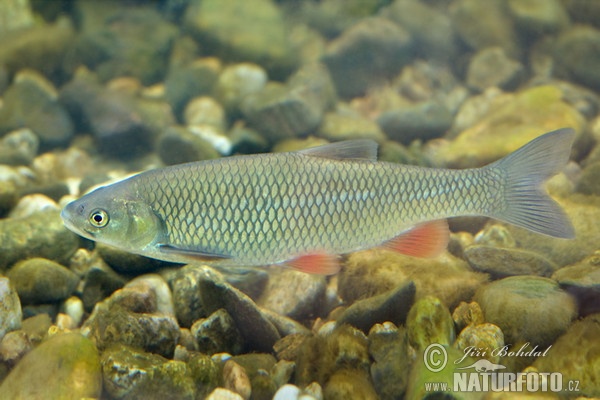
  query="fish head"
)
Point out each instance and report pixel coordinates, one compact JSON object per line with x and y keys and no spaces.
{"x":113,"y":218}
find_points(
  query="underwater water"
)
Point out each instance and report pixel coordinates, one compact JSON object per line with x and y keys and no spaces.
{"x":92,"y":92}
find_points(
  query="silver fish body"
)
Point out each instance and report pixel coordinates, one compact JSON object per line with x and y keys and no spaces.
{"x":269,"y":208}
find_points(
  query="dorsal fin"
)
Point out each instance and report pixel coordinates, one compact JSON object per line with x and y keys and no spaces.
{"x":359,"y":149}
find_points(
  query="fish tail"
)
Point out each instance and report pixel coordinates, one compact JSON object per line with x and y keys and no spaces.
{"x":526,"y":203}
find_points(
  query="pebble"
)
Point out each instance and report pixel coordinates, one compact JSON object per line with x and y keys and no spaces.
{"x":258,"y":332}
{"x":205,"y":110}
{"x":484,"y":338}
{"x":10,"y":307}
{"x":31,"y":204}
{"x":467,"y":314}
{"x":429,"y":321}
{"x":48,"y":371}
{"x":337,"y":127}
{"x":537,"y":17}
{"x":73,"y":307}
{"x":527,"y":309}
{"x":285,"y":326}
{"x":133,"y":374}
{"x":582,"y":280}
{"x":14,"y":346}
{"x":491,"y":67}
{"x":393,"y":306}
{"x":349,"y":56}
{"x":99,"y":282}
{"x":349,"y":383}
{"x":236,"y":379}
{"x":19,"y":147}
{"x":588,"y":181}
{"x":217,"y":334}
{"x":575,"y":53}
{"x":112,"y":324}
{"x":159,"y":288}
{"x":388,"y":346}
{"x":32,"y":102}
{"x":39,"y":280}
{"x":223,"y":394}
{"x":187,"y":299}
{"x":237,"y":81}
{"x":177,"y":145}
{"x":503,"y":262}
{"x":422,"y":121}
{"x":125,"y":262}
{"x":293,"y":294}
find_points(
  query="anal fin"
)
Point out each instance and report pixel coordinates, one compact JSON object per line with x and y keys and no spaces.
{"x":427,"y":240}
{"x":318,"y":263}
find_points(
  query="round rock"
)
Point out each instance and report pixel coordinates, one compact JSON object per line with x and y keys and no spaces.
{"x":527,"y":309}
{"x":38,"y":280}
{"x":10,"y":307}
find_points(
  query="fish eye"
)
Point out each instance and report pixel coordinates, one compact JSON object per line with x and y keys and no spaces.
{"x":99,"y":218}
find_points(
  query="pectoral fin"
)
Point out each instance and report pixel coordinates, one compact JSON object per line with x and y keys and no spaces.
{"x":190,"y":253}
{"x":427,"y":240}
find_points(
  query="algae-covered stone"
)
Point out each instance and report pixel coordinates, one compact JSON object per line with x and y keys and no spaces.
{"x":32,"y":102}
{"x":100,"y":281}
{"x":205,"y":372}
{"x":348,"y":383}
{"x":350,"y":57}
{"x":582,"y":280}
{"x":238,"y":81}
{"x":283,"y":111}
{"x":576,"y":354}
{"x":186,"y":296}
{"x":492,"y":67}
{"x":178,"y":145}
{"x":537,"y":17}
{"x":18,"y":147}
{"x":294,"y":294}
{"x":39,"y":280}
{"x":217,"y":334}
{"x":112,"y":324}
{"x":10,"y":307}
{"x":589,"y":183}
{"x":527,"y":309}
{"x":509,"y":125}
{"x":258,"y":332}
{"x":389,"y":306}
{"x":66,"y":366}
{"x":388,"y":345}
{"x":337,"y":127}
{"x":576,"y":52}
{"x":467,"y":314}
{"x":130,"y":374}
{"x":241,"y":30}
{"x":429,"y":321}
{"x":371,"y":272}
{"x":13,"y":346}
{"x":482,"y":25}
{"x":502,"y":262}
{"x":422,"y":121}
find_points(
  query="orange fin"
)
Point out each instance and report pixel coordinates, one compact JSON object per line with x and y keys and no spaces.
{"x":318,"y":263}
{"x":427,"y":240}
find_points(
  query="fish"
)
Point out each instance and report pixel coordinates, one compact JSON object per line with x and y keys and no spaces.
{"x":305,"y":208}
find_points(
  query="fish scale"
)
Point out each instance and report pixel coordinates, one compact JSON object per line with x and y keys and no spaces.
{"x":270,"y":208}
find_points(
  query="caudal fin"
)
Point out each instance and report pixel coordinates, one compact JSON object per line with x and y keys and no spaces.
{"x":527,"y":203}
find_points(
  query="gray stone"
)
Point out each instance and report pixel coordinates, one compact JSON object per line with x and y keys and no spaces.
{"x":134,"y":374}
{"x":576,"y":355}
{"x":155,"y":284}
{"x":186,"y":295}
{"x":527,"y":309}
{"x":296,"y":108}
{"x":38,"y":280}
{"x":240,"y":30}
{"x":238,"y":81}
{"x":429,"y":321}
{"x":293,"y":293}
{"x":32,"y":102}
{"x":42,"y":47}
{"x":125,"y":262}
{"x":367,"y":54}
{"x":100,"y":281}
{"x":393,"y":306}
{"x":582,"y":280}
{"x":111,"y":324}
{"x":538,"y":17}
{"x":123,"y":41}
{"x":431,"y":28}
{"x":388,"y":345}
{"x":422,"y":121}
{"x":40,"y":235}
{"x":10,"y":307}
{"x":576,"y":52}
{"x":258,"y":332}
{"x":48,"y":371}
{"x":502,"y":262}
{"x":482,"y":25}
{"x":285,"y":326}
{"x":492,"y":67}
{"x":19,"y":147}
{"x":217,"y":334}
{"x":177,"y":145}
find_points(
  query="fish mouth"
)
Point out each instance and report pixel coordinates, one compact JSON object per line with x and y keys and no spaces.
{"x":68,"y":215}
